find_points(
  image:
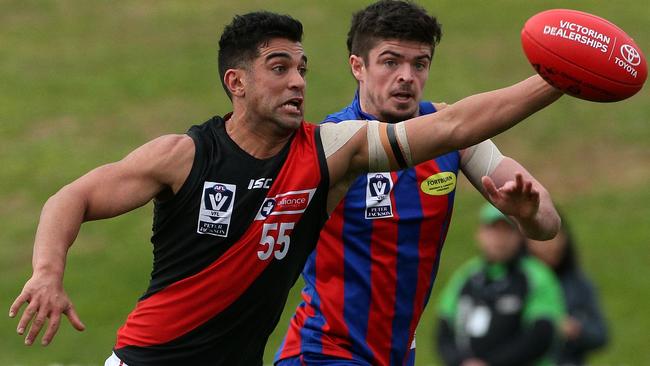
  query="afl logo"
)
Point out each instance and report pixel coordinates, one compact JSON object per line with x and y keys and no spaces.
{"x":631,"y":55}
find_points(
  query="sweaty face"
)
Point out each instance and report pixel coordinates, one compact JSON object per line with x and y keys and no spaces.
{"x":275,"y":84}
{"x":391,"y":80}
{"x":499,"y":241}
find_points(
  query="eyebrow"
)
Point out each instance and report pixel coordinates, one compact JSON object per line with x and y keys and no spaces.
{"x":399,"y":55}
{"x":282,"y":55}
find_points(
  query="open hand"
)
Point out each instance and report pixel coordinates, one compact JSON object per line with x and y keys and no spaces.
{"x":515,"y":198}
{"x":46,"y":301}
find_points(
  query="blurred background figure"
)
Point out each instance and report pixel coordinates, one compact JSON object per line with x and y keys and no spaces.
{"x":502,"y":307}
{"x":584,"y":329}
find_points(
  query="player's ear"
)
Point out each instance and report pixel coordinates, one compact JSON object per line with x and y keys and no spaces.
{"x":235,"y":82}
{"x":357,"y":66}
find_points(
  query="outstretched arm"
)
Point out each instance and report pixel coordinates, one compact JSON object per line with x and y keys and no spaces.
{"x":153,"y":170}
{"x":477,"y":118}
{"x":382,"y":147}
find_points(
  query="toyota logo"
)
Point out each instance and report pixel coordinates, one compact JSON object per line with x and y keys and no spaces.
{"x":631,"y":55}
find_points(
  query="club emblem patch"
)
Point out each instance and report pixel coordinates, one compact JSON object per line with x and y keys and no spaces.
{"x":378,"y":202}
{"x":217,"y":203}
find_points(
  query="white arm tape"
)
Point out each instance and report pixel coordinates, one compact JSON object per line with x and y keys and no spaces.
{"x":480,"y":160}
{"x":377,"y":158}
{"x":335,"y":135}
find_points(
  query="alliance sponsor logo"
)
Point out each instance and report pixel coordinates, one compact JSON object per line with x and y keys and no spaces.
{"x":292,"y":202}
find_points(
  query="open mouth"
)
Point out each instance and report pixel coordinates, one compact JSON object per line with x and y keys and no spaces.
{"x":293,"y":105}
{"x":402,"y":96}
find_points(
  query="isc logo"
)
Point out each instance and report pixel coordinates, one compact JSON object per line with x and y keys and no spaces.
{"x":260,"y":183}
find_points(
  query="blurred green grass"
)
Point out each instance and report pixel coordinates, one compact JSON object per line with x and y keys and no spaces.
{"x":84,"y":82}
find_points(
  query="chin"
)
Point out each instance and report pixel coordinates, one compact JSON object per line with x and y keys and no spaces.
{"x":291,"y":123}
{"x":399,"y":115}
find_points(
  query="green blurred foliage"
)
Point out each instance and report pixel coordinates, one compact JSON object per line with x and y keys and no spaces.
{"x":82,"y":83}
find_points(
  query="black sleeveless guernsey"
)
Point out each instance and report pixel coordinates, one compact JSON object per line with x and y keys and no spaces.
{"x":227,"y":249}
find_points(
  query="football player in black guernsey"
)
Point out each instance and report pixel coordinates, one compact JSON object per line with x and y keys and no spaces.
{"x":239,"y":201}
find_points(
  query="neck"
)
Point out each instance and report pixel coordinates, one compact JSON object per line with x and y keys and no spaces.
{"x":254,"y":136}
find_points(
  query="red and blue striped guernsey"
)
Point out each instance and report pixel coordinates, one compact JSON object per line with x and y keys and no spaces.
{"x":370,"y":277}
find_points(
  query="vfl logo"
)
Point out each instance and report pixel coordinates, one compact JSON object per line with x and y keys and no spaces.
{"x":216,"y":208}
{"x":378,"y":202}
{"x":631,"y":55}
{"x":217,"y":197}
{"x":379,"y":186}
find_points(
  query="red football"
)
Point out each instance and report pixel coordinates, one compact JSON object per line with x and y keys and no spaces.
{"x":584,"y":55}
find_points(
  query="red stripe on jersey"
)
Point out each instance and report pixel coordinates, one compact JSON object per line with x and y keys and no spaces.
{"x":180,"y":307}
{"x":291,"y":346}
{"x":330,"y":281}
{"x":383,"y":270}
{"x":431,"y":238}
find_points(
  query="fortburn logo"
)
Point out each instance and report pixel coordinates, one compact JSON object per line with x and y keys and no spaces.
{"x":217,"y":203}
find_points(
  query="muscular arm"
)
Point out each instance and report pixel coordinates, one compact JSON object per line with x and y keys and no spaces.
{"x":154,"y":169}
{"x":465,"y":123}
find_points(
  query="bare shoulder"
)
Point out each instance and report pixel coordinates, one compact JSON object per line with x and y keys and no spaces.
{"x":171,"y":144}
{"x":168,"y":158}
{"x":167,"y":150}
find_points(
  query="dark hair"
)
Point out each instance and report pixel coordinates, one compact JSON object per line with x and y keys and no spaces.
{"x":241,"y":39}
{"x":391,"y":19}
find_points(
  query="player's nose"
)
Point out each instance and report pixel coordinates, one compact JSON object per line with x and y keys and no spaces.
{"x":406,"y":74}
{"x":297,"y":81}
